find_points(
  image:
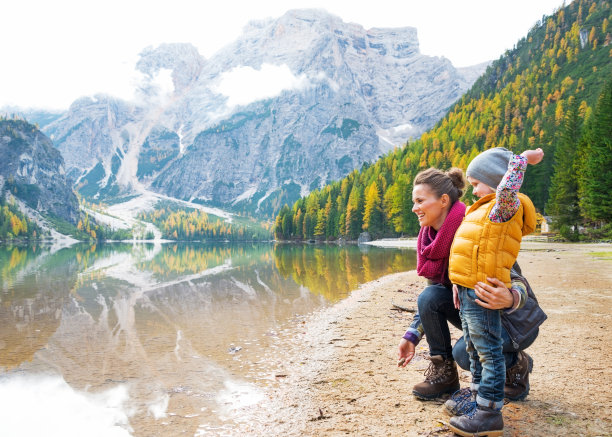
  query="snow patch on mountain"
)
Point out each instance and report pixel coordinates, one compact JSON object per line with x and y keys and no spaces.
{"x":246,"y":195}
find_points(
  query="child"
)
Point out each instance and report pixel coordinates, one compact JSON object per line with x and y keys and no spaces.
{"x":486,"y":246}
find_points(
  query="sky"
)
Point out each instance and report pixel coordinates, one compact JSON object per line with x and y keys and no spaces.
{"x":56,"y":51}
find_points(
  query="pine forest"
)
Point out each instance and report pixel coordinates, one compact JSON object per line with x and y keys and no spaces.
{"x":553,"y":90}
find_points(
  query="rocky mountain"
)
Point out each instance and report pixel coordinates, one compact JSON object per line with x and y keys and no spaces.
{"x":32,"y":169}
{"x":294,"y":103}
{"x":37,"y":116}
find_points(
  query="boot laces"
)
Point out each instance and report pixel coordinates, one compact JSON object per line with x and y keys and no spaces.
{"x":463,"y":401}
{"x":462,"y":394}
{"x":435,"y":373}
{"x":514,"y":375}
{"x":471,"y":410}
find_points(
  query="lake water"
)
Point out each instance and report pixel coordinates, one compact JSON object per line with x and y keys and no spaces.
{"x":166,"y":339}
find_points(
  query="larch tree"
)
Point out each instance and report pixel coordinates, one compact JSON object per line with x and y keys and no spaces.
{"x":373,"y":217}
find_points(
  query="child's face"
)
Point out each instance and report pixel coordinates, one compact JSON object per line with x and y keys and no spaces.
{"x":430,"y":209}
{"x":479,"y":189}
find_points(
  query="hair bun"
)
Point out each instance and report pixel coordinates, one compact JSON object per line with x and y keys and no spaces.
{"x":457,"y":177}
{"x":451,"y":182}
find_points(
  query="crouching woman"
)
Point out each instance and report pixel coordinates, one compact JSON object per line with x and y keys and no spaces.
{"x":436,"y":201}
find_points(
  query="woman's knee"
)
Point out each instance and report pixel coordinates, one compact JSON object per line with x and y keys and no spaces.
{"x":429,"y":299}
{"x":460,"y":354}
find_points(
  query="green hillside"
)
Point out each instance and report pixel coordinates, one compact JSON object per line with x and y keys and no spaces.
{"x":549,"y":91}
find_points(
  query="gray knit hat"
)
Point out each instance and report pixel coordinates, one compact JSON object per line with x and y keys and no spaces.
{"x":490,"y":166}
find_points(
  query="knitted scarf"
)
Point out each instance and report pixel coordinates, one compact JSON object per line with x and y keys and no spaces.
{"x":433,"y":247}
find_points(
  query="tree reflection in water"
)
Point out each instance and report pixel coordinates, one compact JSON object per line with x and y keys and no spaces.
{"x":174,"y":324}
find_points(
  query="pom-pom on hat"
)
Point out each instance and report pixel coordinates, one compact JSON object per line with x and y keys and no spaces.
{"x":490,"y":166}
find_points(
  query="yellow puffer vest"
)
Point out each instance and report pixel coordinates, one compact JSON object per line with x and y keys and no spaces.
{"x":483,"y":249}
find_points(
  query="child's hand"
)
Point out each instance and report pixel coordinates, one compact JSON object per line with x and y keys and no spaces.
{"x":533,"y":156}
{"x":456,"y":297}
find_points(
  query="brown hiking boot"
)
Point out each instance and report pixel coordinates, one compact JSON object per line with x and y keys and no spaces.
{"x":440,"y":377}
{"x":517,"y":378}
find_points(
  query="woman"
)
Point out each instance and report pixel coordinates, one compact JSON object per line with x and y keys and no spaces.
{"x":436,"y":197}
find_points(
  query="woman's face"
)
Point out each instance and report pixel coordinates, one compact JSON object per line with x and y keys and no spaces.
{"x":430,"y":209}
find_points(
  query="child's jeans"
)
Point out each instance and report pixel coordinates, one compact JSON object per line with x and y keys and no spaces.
{"x":482,"y":331}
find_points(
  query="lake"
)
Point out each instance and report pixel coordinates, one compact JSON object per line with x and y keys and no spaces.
{"x":164,"y":339}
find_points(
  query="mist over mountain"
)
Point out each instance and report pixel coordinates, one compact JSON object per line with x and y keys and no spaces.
{"x":294,"y":103}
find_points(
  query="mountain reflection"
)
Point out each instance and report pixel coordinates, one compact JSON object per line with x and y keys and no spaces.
{"x":179,"y":323}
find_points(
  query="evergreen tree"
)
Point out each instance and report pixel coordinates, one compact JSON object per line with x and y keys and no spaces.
{"x":282,"y":224}
{"x":286,"y":224}
{"x":563,"y":203}
{"x":331,"y":214}
{"x":596,"y":171}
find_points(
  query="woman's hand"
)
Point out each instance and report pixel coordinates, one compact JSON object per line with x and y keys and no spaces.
{"x":493,"y":297}
{"x":405,"y":353}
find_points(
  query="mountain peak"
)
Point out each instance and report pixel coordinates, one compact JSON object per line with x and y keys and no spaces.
{"x":182,"y":59}
{"x":324,"y":96}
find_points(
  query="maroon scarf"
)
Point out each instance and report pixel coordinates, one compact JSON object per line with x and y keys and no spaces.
{"x":433,"y":247}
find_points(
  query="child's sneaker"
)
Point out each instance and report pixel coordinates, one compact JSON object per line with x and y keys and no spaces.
{"x":461,"y":402}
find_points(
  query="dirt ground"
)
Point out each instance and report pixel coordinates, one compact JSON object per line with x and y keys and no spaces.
{"x":340,"y":375}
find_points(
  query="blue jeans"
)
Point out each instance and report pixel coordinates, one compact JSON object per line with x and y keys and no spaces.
{"x":482,"y":331}
{"x":436,"y":311}
{"x":510,"y":352}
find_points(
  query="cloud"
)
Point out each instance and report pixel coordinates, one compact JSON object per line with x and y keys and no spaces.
{"x":162,"y":82}
{"x":244,"y":85}
{"x":153,"y":88}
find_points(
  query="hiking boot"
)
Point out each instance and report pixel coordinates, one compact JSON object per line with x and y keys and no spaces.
{"x":479,"y":422}
{"x":440,"y":377}
{"x":517,"y":378}
{"x":461,"y":402}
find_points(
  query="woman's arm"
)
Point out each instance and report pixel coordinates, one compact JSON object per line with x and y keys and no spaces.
{"x":498,"y":297}
{"x":411,"y":338}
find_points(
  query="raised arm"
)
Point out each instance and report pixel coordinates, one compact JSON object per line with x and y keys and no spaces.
{"x":507,"y":201}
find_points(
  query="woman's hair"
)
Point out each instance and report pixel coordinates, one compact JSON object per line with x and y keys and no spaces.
{"x":451,"y":182}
